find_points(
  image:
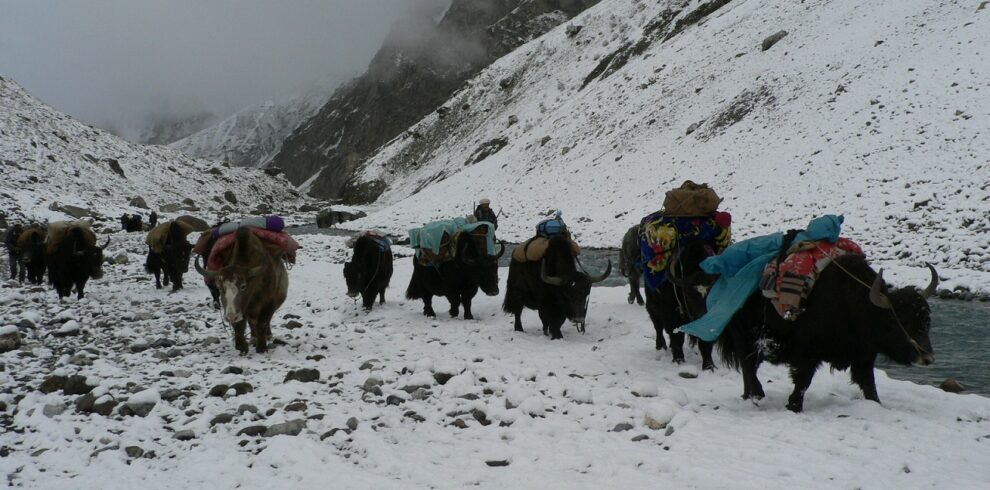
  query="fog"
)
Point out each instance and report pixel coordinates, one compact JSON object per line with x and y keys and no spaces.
{"x":114,"y":63}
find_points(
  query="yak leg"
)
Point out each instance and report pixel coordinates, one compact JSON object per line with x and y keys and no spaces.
{"x":240,"y":343}
{"x":381,"y":296}
{"x":862,"y":375}
{"x":706,"y":355}
{"x":176,"y":282}
{"x":801,"y":376}
{"x":466,"y":301}
{"x":80,"y":285}
{"x":749,"y":362}
{"x":158,"y":279}
{"x":215,"y":293}
{"x":552,"y":323}
{"x":652,"y":308}
{"x":634,"y":290}
{"x":518,"y":322}
{"x":455,"y":305}
{"x":367,"y":300}
{"x":428,"y":306}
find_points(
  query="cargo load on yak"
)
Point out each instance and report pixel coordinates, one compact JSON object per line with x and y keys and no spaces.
{"x":436,"y":242}
{"x":535,"y":248}
{"x":58,"y":230}
{"x":268,"y":228}
{"x":156,"y":237}
{"x":381,"y":240}
{"x":788,"y":279}
{"x":690,"y":213}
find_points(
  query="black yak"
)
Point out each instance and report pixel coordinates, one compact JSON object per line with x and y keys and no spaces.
{"x":850,"y":317}
{"x":369,"y":270}
{"x":72,"y":257}
{"x":630,"y":256}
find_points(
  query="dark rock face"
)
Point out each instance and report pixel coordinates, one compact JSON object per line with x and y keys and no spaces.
{"x":410,"y":77}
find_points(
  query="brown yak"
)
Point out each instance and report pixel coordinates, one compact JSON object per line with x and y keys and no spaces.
{"x":253,"y":284}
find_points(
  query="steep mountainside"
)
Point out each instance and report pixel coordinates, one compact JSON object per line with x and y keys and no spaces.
{"x":165,"y":129}
{"x":52,"y":163}
{"x":877,"y":110}
{"x":252,"y":137}
{"x":419,"y":66}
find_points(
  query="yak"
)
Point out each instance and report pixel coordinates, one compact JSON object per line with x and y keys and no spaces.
{"x":552,"y":286}
{"x":73,"y":259}
{"x":32,"y":245}
{"x":459,"y":279}
{"x":681,"y":299}
{"x":203,"y":249}
{"x":171,"y":256}
{"x":369,"y":271}
{"x":630,"y":256}
{"x":849,"y":318}
{"x":253,"y":285}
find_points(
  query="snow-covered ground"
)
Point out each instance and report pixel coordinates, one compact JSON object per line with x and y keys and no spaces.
{"x":559,"y":414}
{"x":49,"y":161}
{"x":878,"y":110}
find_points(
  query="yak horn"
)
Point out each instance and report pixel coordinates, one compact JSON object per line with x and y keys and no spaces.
{"x":205,"y":273}
{"x":877,"y":297}
{"x":551,"y":280}
{"x":600,"y":278}
{"x":501,"y":250}
{"x":105,"y":245}
{"x":932,"y":285}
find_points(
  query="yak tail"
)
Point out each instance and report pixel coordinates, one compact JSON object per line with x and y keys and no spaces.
{"x":414,"y":291}
{"x":727,"y":351}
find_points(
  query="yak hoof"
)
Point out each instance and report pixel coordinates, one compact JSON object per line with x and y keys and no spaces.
{"x":795,"y":407}
{"x":708,"y":366}
{"x":557,"y":336}
{"x":631,"y":299}
{"x":518,"y":328}
{"x":639,"y":301}
{"x":468,"y":316}
{"x":430,"y":314}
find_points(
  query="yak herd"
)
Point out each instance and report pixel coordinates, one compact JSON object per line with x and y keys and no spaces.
{"x":851,"y":316}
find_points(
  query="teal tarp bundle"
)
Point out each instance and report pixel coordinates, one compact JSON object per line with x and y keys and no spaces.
{"x":739,"y":268}
{"x":430,"y":235}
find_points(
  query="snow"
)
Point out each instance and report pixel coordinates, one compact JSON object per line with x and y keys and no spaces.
{"x":8,"y":330}
{"x":552,"y":405}
{"x":69,"y":327}
{"x":49,"y":159}
{"x":876,"y":110}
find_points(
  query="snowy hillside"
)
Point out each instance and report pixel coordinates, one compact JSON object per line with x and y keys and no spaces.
{"x":873,"y":109}
{"x":252,"y":137}
{"x":51,"y":161}
{"x":402,"y":401}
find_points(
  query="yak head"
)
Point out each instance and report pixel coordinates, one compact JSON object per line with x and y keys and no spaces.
{"x":237,"y":285}
{"x":91,"y":257}
{"x":690,"y":282}
{"x":355,"y":277}
{"x":176,"y":251}
{"x":574,"y":285}
{"x":472,"y":251}
{"x":905,"y":337}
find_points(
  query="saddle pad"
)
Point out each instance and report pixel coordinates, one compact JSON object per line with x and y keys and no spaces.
{"x":275,"y":243}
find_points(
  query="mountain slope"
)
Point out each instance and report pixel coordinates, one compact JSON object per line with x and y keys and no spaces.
{"x":410,"y":77}
{"x":253,"y":136}
{"x":50,"y":161}
{"x":873,"y":110}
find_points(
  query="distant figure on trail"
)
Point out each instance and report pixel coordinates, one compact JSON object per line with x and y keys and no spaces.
{"x":13,"y":253}
{"x":153,"y":219}
{"x":484,"y":212}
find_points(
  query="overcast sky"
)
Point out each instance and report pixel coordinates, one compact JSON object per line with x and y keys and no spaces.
{"x":114,"y":61}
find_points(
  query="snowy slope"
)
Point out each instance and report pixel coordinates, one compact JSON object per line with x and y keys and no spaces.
{"x":49,"y":159}
{"x":552,"y":411}
{"x":873,"y":109}
{"x":252,"y":137}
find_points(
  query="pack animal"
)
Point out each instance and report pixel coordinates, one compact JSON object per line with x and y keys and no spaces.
{"x":203,"y":249}
{"x":32,"y":246}
{"x":253,"y":285}
{"x":73,"y":259}
{"x":630,"y":256}
{"x":172,"y":257}
{"x":849,"y":318}
{"x":681,"y":299}
{"x":459,"y":279}
{"x":369,"y":271}
{"x":553,"y":286}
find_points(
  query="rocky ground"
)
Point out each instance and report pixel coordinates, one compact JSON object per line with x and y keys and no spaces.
{"x":134,"y":386}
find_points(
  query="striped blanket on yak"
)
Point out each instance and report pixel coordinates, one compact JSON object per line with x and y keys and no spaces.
{"x":662,"y":235}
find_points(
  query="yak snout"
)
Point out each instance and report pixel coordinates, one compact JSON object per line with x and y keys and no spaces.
{"x":925,"y":359}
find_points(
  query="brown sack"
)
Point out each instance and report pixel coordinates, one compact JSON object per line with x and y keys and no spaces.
{"x":156,"y":237}
{"x":58,"y":230}
{"x":535,"y":248}
{"x":691,"y":199}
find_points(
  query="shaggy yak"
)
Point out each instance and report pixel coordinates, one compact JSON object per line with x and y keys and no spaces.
{"x":253,"y":284}
{"x":850,"y":317}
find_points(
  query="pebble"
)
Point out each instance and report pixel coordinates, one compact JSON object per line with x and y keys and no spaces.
{"x":394,"y":400}
{"x":232,"y":370}
{"x":292,"y":325}
{"x":497,"y":463}
{"x":76,"y":385}
{"x":184,"y":435}
{"x":252,"y":430}
{"x":219,"y":390}
{"x":302,"y":375}
{"x":460,"y":424}
{"x":52,"y":384}
{"x":51,"y":410}
{"x":296,"y":407}
{"x":242,"y":388}
{"x":641,"y":437}
{"x":223,"y":418}
{"x":442,"y":378}
{"x":622,"y":427}
{"x":952,"y":386}
{"x":352,"y":423}
{"x":290,"y":428}
{"x":244,"y":408}
{"x":170,"y":394}
{"x":134,"y":451}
